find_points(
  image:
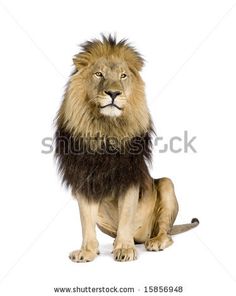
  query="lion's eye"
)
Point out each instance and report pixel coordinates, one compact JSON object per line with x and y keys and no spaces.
{"x":99,"y":74}
{"x":123,"y":76}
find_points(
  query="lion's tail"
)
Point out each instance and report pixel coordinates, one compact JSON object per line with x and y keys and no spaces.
{"x":176,"y":229}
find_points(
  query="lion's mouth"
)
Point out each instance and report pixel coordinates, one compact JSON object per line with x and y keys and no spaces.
{"x":113,"y":105}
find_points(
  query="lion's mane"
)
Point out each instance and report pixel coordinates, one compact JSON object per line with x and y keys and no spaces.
{"x":99,"y":156}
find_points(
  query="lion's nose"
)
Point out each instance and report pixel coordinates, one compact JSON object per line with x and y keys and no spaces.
{"x":113,"y":94}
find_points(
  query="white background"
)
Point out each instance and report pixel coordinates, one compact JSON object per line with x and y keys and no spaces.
{"x":190,"y":73}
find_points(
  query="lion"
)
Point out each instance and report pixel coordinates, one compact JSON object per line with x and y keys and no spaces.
{"x":103,"y":147}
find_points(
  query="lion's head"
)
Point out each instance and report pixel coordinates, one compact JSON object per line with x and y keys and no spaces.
{"x":105,"y":93}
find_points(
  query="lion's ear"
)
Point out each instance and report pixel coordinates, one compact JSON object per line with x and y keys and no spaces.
{"x":133,"y":58}
{"x":138,"y":63}
{"x":80,"y":60}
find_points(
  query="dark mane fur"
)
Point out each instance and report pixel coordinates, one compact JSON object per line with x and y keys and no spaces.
{"x":104,"y":172}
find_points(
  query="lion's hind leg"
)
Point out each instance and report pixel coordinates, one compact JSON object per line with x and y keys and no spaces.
{"x":164,"y":215}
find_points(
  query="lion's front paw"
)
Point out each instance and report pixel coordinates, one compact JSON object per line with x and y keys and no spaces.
{"x":127,"y":253}
{"x":158,"y":243}
{"x":82,"y":256}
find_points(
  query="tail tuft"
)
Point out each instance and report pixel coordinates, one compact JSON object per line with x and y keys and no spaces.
{"x":195,"y":220}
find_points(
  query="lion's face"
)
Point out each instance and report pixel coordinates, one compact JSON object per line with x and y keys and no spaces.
{"x":110,"y":86}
